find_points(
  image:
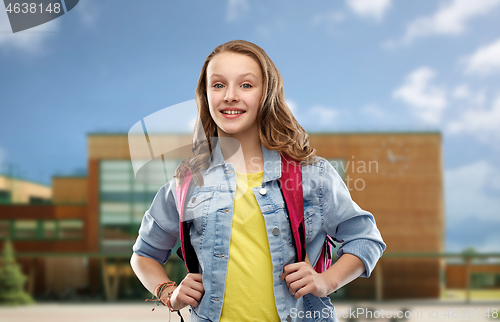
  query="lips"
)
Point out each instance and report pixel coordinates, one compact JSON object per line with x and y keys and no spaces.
{"x":232,"y":111}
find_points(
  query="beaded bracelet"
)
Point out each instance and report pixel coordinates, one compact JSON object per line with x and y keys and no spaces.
{"x":157,"y":293}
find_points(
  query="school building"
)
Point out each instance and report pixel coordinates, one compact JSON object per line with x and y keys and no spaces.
{"x":81,"y":241}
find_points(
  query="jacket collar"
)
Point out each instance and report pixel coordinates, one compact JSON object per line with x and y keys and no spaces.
{"x":272,"y":161}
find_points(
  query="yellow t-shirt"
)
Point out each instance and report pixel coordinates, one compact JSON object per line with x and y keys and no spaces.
{"x":249,"y":294}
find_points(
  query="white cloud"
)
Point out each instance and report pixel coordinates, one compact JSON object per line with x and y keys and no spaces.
{"x":292,"y":106}
{"x":463,"y":95}
{"x":426,"y":101}
{"x":323,"y":115}
{"x":235,"y":9}
{"x":462,"y":92}
{"x":300,"y":117}
{"x":370,"y":8}
{"x":31,"y":40}
{"x":450,"y":19}
{"x":467,"y":192}
{"x":486,"y":60}
{"x":372,"y":110}
{"x":478,"y":121}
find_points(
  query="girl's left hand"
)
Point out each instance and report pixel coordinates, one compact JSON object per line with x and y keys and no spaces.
{"x":301,"y":279}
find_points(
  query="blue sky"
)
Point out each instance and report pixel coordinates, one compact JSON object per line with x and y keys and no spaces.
{"x":355,"y":65}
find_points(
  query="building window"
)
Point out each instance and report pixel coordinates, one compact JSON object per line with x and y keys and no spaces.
{"x":38,"y":201}
{"x":123,"y":202}
{"x":4,"y":229}
{"x":49,"y":229}
{"x":5,"y":196}
{"x":70,"y":229}
{"x":41,"y":229}
{"x":25,"y":229}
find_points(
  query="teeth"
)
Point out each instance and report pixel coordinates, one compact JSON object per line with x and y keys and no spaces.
{"x":232,"y":112}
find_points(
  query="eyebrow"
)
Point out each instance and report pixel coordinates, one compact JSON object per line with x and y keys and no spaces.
{"x":242,"y":75}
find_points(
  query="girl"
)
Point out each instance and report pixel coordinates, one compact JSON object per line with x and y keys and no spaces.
{"x":240,"y":230}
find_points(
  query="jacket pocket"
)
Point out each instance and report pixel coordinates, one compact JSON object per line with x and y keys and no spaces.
{"x":320,"y":309}
{"x":195,"y":315}
{"x":197,"y":209}
{"x":199,"y":198}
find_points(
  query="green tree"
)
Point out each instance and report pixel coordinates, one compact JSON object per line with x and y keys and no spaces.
{"x":469,"y":251}
{"x":12,"y":279}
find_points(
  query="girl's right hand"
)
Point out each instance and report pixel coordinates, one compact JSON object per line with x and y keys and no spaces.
{"x":189,"y":292}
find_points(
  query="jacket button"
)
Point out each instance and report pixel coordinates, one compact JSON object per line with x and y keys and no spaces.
{"x":263,"y":191}
{"x":193,"y":200}
{"x":276,"y":231}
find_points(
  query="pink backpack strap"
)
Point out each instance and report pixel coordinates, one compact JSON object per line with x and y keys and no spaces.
{"x":181,"y":192}
{"x":187,"y":251}
{"x":291,"y":187}
{"x":325,"y":258}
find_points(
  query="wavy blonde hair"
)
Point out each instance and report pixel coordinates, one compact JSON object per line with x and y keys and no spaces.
{"x":279,"y":130}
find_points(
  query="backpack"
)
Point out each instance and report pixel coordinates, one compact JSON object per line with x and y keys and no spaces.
{"x":291,"y":176}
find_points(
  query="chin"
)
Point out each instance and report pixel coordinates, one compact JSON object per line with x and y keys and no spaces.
{"x":231,"y":132}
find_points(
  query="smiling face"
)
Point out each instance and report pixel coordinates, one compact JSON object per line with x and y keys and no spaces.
{"x":234,"y":89}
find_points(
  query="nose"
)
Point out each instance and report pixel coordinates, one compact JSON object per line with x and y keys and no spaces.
{"x":231,"y":94}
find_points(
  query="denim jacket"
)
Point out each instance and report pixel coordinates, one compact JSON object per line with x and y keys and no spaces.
{"x":328,"y":208}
